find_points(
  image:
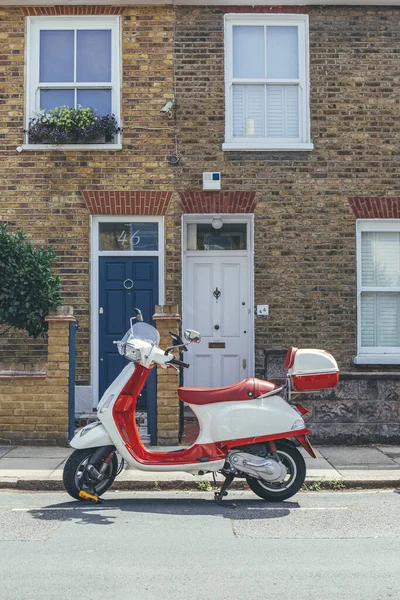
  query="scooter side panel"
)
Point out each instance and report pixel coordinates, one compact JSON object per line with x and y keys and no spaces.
{"x":223,"y":421}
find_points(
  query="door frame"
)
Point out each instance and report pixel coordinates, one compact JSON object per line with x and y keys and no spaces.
{"x":95,"y":254}
{"x":248,"y":219}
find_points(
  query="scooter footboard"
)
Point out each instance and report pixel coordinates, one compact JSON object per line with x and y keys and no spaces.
{"x":91,"y":436}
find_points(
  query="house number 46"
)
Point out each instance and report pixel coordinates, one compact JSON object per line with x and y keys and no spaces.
{"x":134,"y":238}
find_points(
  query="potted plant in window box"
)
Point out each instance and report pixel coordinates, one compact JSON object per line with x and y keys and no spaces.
{"x":64,"y":125}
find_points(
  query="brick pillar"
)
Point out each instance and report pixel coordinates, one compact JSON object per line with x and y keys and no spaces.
{"x":167,"y":319}
{"x":58,"y":367}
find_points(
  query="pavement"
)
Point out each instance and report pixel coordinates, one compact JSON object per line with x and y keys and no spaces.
{"x":337,"y":467}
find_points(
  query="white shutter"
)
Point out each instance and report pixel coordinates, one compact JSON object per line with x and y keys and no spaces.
{"x":368,"y":320}
{"x":238,"y":110}
{"x":387,"y":255}
{"x":388,"y":319}
{"x":380,"y":313}
{"x":248,"y":111}
{"x":367,"y":259}
{"x":282,"y":111}
{"x":380,"y":258}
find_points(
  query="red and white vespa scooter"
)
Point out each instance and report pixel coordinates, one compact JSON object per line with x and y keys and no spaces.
{"x":247,"y":429}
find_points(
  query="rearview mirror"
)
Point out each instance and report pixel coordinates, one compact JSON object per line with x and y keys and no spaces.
{"x":138,"y":314}
{"x":191,"y":335}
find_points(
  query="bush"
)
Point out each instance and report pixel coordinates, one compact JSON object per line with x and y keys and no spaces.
{"x":29,"y":288}
{"x":64,"y":125}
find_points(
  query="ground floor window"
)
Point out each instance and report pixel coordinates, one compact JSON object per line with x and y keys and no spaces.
{"x":378,"y":276}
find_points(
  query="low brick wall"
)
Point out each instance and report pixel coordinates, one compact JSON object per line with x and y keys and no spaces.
{"x":167,"y":319}
{"x":34,"y":405}
{"x":364,"y":407}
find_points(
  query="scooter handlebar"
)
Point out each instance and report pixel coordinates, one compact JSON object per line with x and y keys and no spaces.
{"x":178,"y":363}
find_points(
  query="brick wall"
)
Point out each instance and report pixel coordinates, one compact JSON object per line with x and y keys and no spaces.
{"x":304,"y":225}
{"x":307,"y":202}
{"x":303,"y":203}
{"x":167,"y":319}
{"x":34,"y":405}
{"x":41,"y":192}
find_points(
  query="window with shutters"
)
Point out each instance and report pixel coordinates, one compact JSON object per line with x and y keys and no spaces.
{"x":73,"y":61}
{"x":378,"y":255}
{"x":267,"y":82}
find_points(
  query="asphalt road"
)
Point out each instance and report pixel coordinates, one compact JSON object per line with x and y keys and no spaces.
{"x":181,"y":546}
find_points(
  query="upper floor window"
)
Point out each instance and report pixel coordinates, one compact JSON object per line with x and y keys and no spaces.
{"x":73,"y":62}
{"x":267,"y":82}
{"x":378,"y":254}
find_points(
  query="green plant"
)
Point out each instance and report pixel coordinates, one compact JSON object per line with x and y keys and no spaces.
{"x":313,"y":486}
{"x":336,"y":484}
{"x":29,"y":288}
{"x":64,"y":125}
{"x":203,"y":486}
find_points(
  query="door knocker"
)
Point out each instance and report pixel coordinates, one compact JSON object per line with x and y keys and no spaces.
{"x":216,"y":293}
{"x":128,"y":284}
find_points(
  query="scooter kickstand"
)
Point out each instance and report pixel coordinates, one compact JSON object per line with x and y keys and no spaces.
{"x":218,"y":496}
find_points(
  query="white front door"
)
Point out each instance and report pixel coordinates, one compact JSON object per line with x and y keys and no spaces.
{"x":217,"y":303}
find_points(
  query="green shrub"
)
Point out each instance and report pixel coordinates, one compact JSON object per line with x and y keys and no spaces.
{"x":29,"y":288}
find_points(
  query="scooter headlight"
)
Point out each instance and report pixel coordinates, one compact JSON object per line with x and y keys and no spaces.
{"x":298,"y":424}
{"x":87,"y":428}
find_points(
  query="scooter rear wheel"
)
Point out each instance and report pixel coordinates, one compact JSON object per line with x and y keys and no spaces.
{"x":74,"y":476}
{"x":296,"y":474}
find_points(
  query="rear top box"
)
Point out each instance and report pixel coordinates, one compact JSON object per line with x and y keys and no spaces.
{"x":311,"y":369}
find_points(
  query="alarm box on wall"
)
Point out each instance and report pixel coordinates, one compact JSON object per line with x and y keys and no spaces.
{"x":212,"y":181}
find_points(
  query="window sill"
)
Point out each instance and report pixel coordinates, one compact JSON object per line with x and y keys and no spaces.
{"x":374,"y":359}
{"x":251,"y":146}
{"x":67,"y":147}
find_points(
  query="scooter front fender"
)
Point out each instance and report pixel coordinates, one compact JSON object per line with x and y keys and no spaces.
{"x":91,"y":436}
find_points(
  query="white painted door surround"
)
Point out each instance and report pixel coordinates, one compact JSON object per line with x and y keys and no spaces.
{"x":218,"y":299}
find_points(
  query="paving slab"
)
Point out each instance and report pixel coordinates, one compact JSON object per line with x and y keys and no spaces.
{"x":343,"y":457}
{"x":5,"y":450}
{"x":392,"y":451}
{"x":28,"y":469}
{"x":371,"y":475}
{"x":39,"y":452}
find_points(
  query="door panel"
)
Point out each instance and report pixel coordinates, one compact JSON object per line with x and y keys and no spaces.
{"x":200,"y":309}
{"x":116,"y":304}
{"x":216,"y":303}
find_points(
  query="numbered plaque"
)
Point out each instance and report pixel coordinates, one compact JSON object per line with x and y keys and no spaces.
{"x":137,"y":236}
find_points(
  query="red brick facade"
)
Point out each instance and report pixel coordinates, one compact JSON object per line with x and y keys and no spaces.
{"x":218,"y":202}
{"x":126,"y":203}
{"x":375,"y":208}
{"x":51,"y":11}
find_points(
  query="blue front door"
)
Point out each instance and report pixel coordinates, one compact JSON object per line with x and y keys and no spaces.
{"x":126,"y":283}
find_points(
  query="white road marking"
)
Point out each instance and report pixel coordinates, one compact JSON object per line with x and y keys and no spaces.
{"x":76,"y":508}
{"x":101,"y":507}
{"x":66,"y":508}
{"x":298,"y":508}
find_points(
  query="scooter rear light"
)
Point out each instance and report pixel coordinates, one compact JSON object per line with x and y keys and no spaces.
{"x":301,"y":409}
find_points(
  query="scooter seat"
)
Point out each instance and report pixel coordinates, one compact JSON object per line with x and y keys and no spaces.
{"x":244,"y":390}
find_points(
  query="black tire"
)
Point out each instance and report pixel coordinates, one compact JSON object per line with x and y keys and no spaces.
{"x":296,"y":466}
{"x":74,"y":473}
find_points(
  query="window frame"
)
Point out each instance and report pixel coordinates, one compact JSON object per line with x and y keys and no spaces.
{"x":32,"y":82}
{"x":373,"y":354}
{"x":303,"y":83}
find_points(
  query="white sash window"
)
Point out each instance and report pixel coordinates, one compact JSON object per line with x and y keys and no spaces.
{"x":74,"y":62}
{"x":378,"y":254}
{"x":267,"y":82}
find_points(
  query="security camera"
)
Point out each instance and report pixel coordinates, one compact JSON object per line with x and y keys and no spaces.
{"x":19,"y":148}
{"x":167,"y":107}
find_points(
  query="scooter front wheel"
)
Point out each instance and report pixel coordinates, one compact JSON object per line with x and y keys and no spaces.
{"x":296,"y":474}
{"x":75,"y":474}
